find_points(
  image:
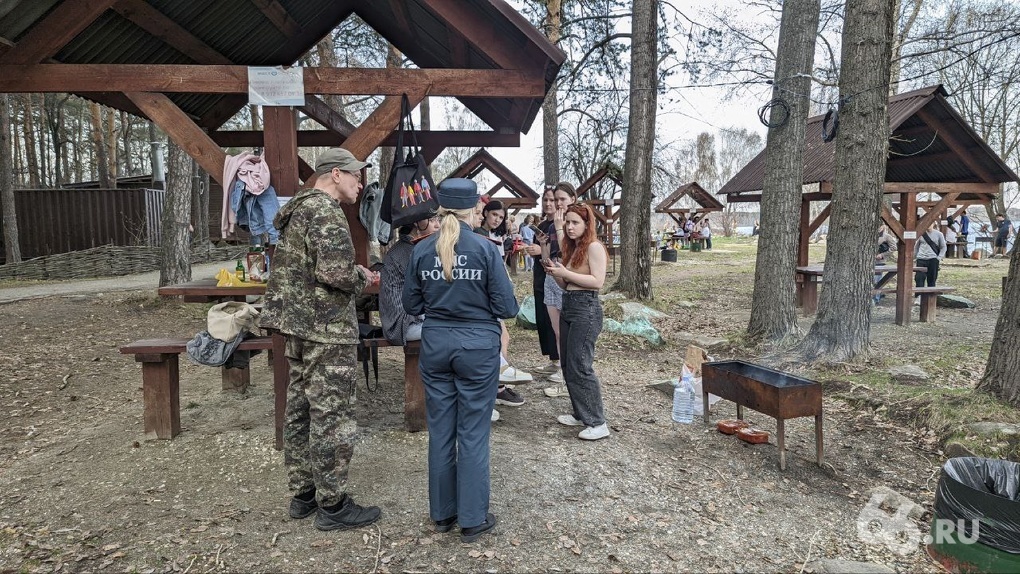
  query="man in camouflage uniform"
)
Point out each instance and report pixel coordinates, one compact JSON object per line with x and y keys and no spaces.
{"x":310,"y":299}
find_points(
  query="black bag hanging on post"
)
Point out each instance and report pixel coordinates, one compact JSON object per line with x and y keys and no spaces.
{"x":410,"y":191}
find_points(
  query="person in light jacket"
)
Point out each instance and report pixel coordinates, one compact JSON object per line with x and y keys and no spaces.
{"x":929,"y":249}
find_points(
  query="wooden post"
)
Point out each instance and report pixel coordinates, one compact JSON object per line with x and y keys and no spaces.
{"x":281,"y":378}
{"x":281,"y":149}
{"x":905,"y":259}
{"x":414,"y":390}
{"x":805,"y":234}
{"x":234,"y":380}
{"x":161,"y":395}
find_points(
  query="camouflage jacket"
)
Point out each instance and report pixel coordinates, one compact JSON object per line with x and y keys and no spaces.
{"x":313,"y":281}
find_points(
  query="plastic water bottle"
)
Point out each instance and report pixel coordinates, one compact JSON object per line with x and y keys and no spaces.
{"x":683,"y":400}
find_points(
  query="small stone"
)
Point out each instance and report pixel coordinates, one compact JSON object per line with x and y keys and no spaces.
{"x":909,"y":374}
{"x":891,"y":498}
{"x":956,"y":449}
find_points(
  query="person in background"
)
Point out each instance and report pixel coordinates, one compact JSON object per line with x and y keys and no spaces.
{"x":885,"y":255}
{"x":528,"y":238}
{"x":929,"y":249}
{"x":1004,"y":230}
{"x":493,"y":226}
{"x":964,"y":233}
{"x":310,"y":298}
{"x":582,"y":274}
{"x":706,"y":232}
{"x":565,"y":196}
{"x":756,"y":229}
{"x":546,"y":333}
{"x":399,"y":327}
{"x":458,"y":281}
{"x":951,"y":234}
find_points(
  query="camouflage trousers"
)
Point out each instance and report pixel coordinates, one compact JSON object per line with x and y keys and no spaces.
{"x":318,"y":437}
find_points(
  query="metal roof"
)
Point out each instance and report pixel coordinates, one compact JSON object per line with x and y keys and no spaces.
{"x":918,"y":152}
{"x":431,"y":33}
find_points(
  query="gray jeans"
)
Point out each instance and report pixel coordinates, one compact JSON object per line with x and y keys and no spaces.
{"x":580,"y":325}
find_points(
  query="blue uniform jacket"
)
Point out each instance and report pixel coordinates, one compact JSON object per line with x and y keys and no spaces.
{"x":480,"y":292}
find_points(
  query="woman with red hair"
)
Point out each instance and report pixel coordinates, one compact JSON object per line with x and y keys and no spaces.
{"x":581,"y":275}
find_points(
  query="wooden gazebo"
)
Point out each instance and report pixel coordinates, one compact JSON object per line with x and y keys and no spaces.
{"x":932,"y":150}
{"x":184,"y":64}
{"x":606,"y":210}
{"x":689,"y":198}
{"x":521,"y":196}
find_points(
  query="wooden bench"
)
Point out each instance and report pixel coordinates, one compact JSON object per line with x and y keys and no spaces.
{"x":929,"y":299}
{"x":161,"y":381}
{"x":414,"y":390}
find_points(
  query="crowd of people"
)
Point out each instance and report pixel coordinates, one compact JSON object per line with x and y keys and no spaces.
{"x":693,"y":226}
{"x":444,"y":282}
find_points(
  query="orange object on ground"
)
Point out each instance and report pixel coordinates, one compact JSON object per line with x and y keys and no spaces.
{"x":753,"y":436}
{"x":731,"y":426}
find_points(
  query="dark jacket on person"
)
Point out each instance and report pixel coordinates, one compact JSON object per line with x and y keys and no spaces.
{"x":312,"y":289}
{"x":480,"y":292}
{"x":395,"y":321}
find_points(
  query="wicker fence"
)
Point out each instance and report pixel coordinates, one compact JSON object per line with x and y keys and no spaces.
{"x":107,"y":261}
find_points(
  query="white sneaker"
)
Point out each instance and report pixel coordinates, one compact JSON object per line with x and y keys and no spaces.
{"x":495,"y":416}
{"x":557,"y":391}
{"x":594,"y":433}
{"x":514,"y":375}
{"x":556,"y":377}
{"x":569,"y":421}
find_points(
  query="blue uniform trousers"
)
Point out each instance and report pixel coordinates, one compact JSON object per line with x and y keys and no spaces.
{"x":460,"y":371}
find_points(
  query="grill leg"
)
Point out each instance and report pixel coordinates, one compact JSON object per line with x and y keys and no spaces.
{"x":781,"y":431}
{"x":818,"y":439}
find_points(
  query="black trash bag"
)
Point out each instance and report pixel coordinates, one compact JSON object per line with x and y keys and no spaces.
{"x":986,"y":490}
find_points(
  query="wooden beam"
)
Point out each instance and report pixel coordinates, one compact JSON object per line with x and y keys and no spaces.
{"x":48,"y":36}
{"x":378,"y":125}
{"x":278,"y":15}
{"x":431,"y":152}
{"x":325,"y":138}
{"x":955,"y":145}
{"x":179,"y":127}
{"x":305,"y":171}
{"x":805,"y":237}
{"x":890,"y":220}
{"x":461,"y":19}
{"x":941,"y":188}
{"x":143,"y":15}
{"x":224,"y":109}
{"x":905,"y":260}
{"x":936,"y":211}
{"x":819,"y":220}
{"x":219,"y":79}
{"x":281,"y":148}
{"x":317,"y":109}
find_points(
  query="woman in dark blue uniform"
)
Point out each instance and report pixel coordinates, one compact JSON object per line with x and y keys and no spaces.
{"x":457,"y":279}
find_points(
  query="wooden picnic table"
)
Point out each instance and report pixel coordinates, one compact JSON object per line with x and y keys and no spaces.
{"x":206,"y":291}
{"x":810,"y":276}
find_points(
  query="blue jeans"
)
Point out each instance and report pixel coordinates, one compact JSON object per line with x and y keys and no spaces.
{"x":580,"y":325}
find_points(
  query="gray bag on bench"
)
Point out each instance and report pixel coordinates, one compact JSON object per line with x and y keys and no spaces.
{"x":207,"y":350}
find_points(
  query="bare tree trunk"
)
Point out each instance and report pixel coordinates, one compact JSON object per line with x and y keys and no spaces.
{"x":54,"y":123}
{"x":898,"y":38}
{"x":102,"y":162}
{"x":45,"y":173}
{"x":12,"y":245}
{"x":110,"y":138}
{"x":394,"y":59}
{"x":635,"y":209}
{"x":550,"y":119}
{"x":31,"y":154}
{"x":156,"y":159}
{"x":125,"y":126}
{"x":773,"y":309}
{"x":840,"y":331}
{"x":1000,"y":378}
{"x":326,"y":50}
{"x":176,"y":248}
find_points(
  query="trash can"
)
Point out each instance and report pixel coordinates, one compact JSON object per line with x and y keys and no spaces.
{"x":976,"y":520}
{"x":669,"y":255}
{"x":696,"y":245}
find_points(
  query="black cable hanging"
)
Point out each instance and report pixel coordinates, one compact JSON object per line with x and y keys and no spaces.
{"x":765,"y":111}
{"x":832,"y":118}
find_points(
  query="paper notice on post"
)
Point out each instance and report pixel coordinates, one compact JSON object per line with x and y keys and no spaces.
{"x":276,"y":86}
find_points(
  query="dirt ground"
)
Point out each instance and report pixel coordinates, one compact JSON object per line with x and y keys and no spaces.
{"x":83,"y":491}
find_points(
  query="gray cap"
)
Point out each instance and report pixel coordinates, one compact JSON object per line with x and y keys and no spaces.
{"x":338,"y":157}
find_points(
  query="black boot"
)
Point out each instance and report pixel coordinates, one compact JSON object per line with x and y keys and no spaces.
{"x":346,"y":515}
{"x":471,"y":534}
{"x":303,"y":505}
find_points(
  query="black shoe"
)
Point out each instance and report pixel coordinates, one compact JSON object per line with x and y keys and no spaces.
{"x":303,"y":505}
{"x":345,"y":515}
{"x":446,"y":525}
{"x":471,"y":534}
